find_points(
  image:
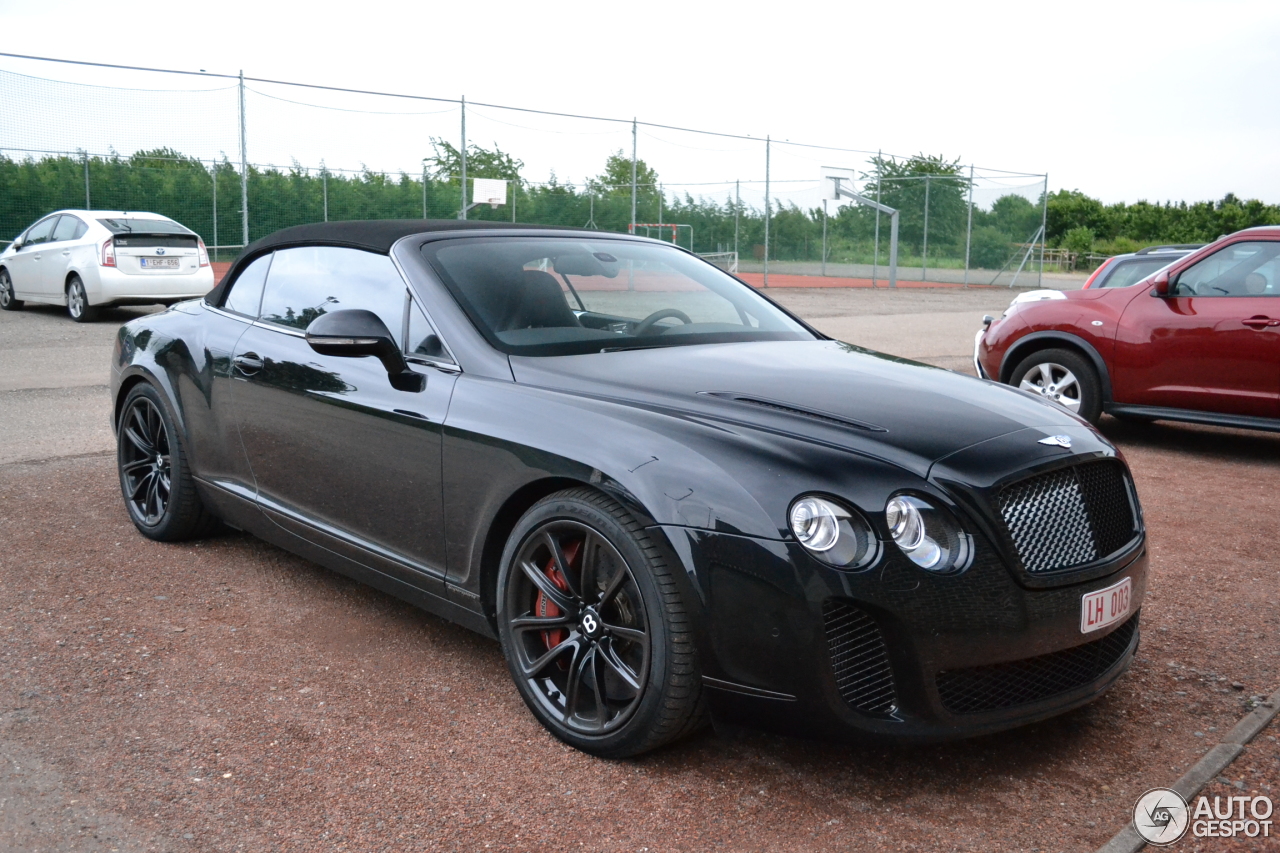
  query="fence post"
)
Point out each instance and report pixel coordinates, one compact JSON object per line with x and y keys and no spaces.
{"x":85,"y":156}
{"x":924,"y":249}
{"x":324,"y":188}
{"x":1044,"y":227}
{"x":824,"y":236}
{"x":215,"y":208}
{"x":737,"y":206}
{"x":424,"y":187}
{"x":968,"y":234}
{"x":767,"y":145}
{"x":633,"y":175}
{"x":244,"y":168}
{"x":875,"y":253}
{"x":463,"y":151}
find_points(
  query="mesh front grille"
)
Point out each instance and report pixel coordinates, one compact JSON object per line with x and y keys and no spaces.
{"x":1068,"y":517}
{"x":861,"y":662}
{"x":1007,"y":685}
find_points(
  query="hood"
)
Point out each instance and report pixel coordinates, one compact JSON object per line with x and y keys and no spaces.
{"x":901,"y":411}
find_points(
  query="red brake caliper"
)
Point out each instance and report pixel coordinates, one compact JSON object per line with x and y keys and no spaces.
{"x":543,"y":606}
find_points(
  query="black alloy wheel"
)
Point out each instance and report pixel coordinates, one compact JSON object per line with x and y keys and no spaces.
{"x":78,"y":302}
{"x":158,"y":489}
{"x":593,"y":629}
{"x":8,"y":301}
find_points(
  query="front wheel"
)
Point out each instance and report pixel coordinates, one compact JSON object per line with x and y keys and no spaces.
{"x":78,"y":302}
{"x":8,"y":302}
{"x":594,"y":630}
{"x":1063,"y":376}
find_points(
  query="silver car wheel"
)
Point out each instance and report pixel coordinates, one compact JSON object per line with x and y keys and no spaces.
{"x":1054,"y":382}
{"x":75,"y":300}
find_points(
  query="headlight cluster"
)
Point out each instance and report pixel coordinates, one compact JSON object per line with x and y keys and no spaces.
{"x":928,"y":537}
{"x":840,"y":537}
{"x":833,"y":534}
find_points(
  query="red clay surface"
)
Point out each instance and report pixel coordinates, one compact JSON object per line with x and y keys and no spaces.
{"x":756,"y":279}
{"x":225,"y":695}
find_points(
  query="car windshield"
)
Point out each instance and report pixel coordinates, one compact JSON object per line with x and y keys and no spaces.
{"x":566,"y":296}
{"x":1130,"y":272}
{"x":143,"y":226}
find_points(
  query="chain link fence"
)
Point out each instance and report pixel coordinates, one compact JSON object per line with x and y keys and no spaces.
{"x":235,"y":158}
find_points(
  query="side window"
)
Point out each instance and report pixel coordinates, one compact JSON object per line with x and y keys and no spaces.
{"x":1241,"y":269}
{"x":68,"y":228}
{"x":313,"y":280}
{"x":40,"y":232}
{"x":246,"y":290}
{"x":423,"y":339}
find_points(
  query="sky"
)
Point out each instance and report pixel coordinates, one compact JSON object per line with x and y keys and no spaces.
{"x":1123,"y":101}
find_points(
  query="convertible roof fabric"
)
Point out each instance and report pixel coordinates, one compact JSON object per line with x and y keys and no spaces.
{"x":375,"y":235}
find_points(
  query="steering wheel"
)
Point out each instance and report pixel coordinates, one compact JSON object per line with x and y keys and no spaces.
{"x":643,"y":327}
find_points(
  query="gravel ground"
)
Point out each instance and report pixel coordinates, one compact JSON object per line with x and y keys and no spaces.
{"x":227,"y":695}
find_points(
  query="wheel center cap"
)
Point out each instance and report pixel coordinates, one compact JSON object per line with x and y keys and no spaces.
{"x":592,"y":625}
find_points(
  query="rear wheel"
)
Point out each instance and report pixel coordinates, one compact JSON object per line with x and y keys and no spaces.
{"x":158,"y":489}
{"x":594,"y":630}
{"x":1063,"y":376}
{"x":8,"y":302}
{"x":78,"y":302}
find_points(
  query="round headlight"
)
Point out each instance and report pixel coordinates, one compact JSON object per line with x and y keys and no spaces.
{"x":833,"y":534}
{"x":927,"y":535}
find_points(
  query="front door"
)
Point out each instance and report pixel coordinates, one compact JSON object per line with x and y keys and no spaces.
{"x":339,"y":456}
{"x":1212,"y":344}
{"x":26,"y":265}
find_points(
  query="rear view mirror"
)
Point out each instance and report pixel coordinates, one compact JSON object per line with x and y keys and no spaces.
{"x":1161,"y":284}
{"x":580,"y":263}
{"x":355,"y":333}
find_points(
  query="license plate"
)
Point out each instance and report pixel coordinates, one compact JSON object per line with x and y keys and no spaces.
{"x":1106,"y":606}
{"x":160,"y":263}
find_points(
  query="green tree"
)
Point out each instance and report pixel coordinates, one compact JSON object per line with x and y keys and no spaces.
{"x":446,"y":162}
{"x":902,"y":185}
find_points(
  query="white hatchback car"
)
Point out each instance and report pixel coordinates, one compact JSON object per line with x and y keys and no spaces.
{"x":85,"y":259}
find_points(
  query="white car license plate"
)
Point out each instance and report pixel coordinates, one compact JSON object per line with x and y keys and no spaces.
{"x":160,"y":263}
{"x":1106,"y":606}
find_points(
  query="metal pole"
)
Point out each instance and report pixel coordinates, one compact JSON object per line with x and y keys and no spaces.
{"x":968,"y":234}
{"x":462,"y":214}
{"x":1044,"y":227}
{"x":924,"y":251}
{"x":875,"y":255}
{"x":324,"y":186}
{"x":515,"y":185}
{"x":244,"y":169}
{"x":737,"y":206}
{"x":893,"y":249}
{"x":87,"y":204}
{"x":215,"y":206}
{"x":767,"y":145}
{"x":633,"y":175}
{"x":424,"y":189}
{"x":824,"y":236}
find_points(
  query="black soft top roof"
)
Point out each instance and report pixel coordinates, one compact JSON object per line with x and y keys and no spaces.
{"x":372,"y":235}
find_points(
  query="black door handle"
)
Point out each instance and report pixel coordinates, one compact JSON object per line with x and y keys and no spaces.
{"x":248,"y":363}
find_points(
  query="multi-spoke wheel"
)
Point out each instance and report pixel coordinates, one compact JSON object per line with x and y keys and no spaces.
{"x":1064,"y":377}
{"x":593,"y":628}
{"x":78,"y":302}
{"x":8,"y":301}
{"x":157,"y":485}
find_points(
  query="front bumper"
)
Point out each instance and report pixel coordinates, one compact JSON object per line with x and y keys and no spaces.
{"x":895,"y":652}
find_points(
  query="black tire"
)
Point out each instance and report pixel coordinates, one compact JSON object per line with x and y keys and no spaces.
{"x":78,"y":306}
{"x":1064,"y":376}
{"x":155,"y":480}
{"x":8,"y":302}
{"x":603,"y":615}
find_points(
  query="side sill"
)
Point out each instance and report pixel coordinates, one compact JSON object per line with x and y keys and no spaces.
{"x":1159,"y":413}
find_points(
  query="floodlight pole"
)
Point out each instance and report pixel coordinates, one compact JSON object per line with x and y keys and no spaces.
{"x":462,"y":214}
{"x":767,"y":145}
{"x":968,"y":234}
{"x":244,"y":168}
{"x":880,"y":208}
{"x":633,"y":174}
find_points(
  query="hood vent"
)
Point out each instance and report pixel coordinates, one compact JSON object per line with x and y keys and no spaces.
{"x":786,"y":409}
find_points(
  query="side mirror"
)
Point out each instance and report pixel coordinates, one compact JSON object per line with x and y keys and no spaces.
{"x":355,"y":333}
{"x":1161,"y":285}
{"x":18,"y":244}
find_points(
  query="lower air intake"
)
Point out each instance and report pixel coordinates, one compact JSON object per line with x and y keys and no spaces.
{"x":859,"y":658}
{"x":1021,"y":682}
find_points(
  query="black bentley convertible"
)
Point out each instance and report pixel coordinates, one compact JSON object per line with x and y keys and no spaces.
{"x":669,"y":499}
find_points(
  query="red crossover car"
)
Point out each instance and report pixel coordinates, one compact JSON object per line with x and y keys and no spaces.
{"x":1196,"y":341}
